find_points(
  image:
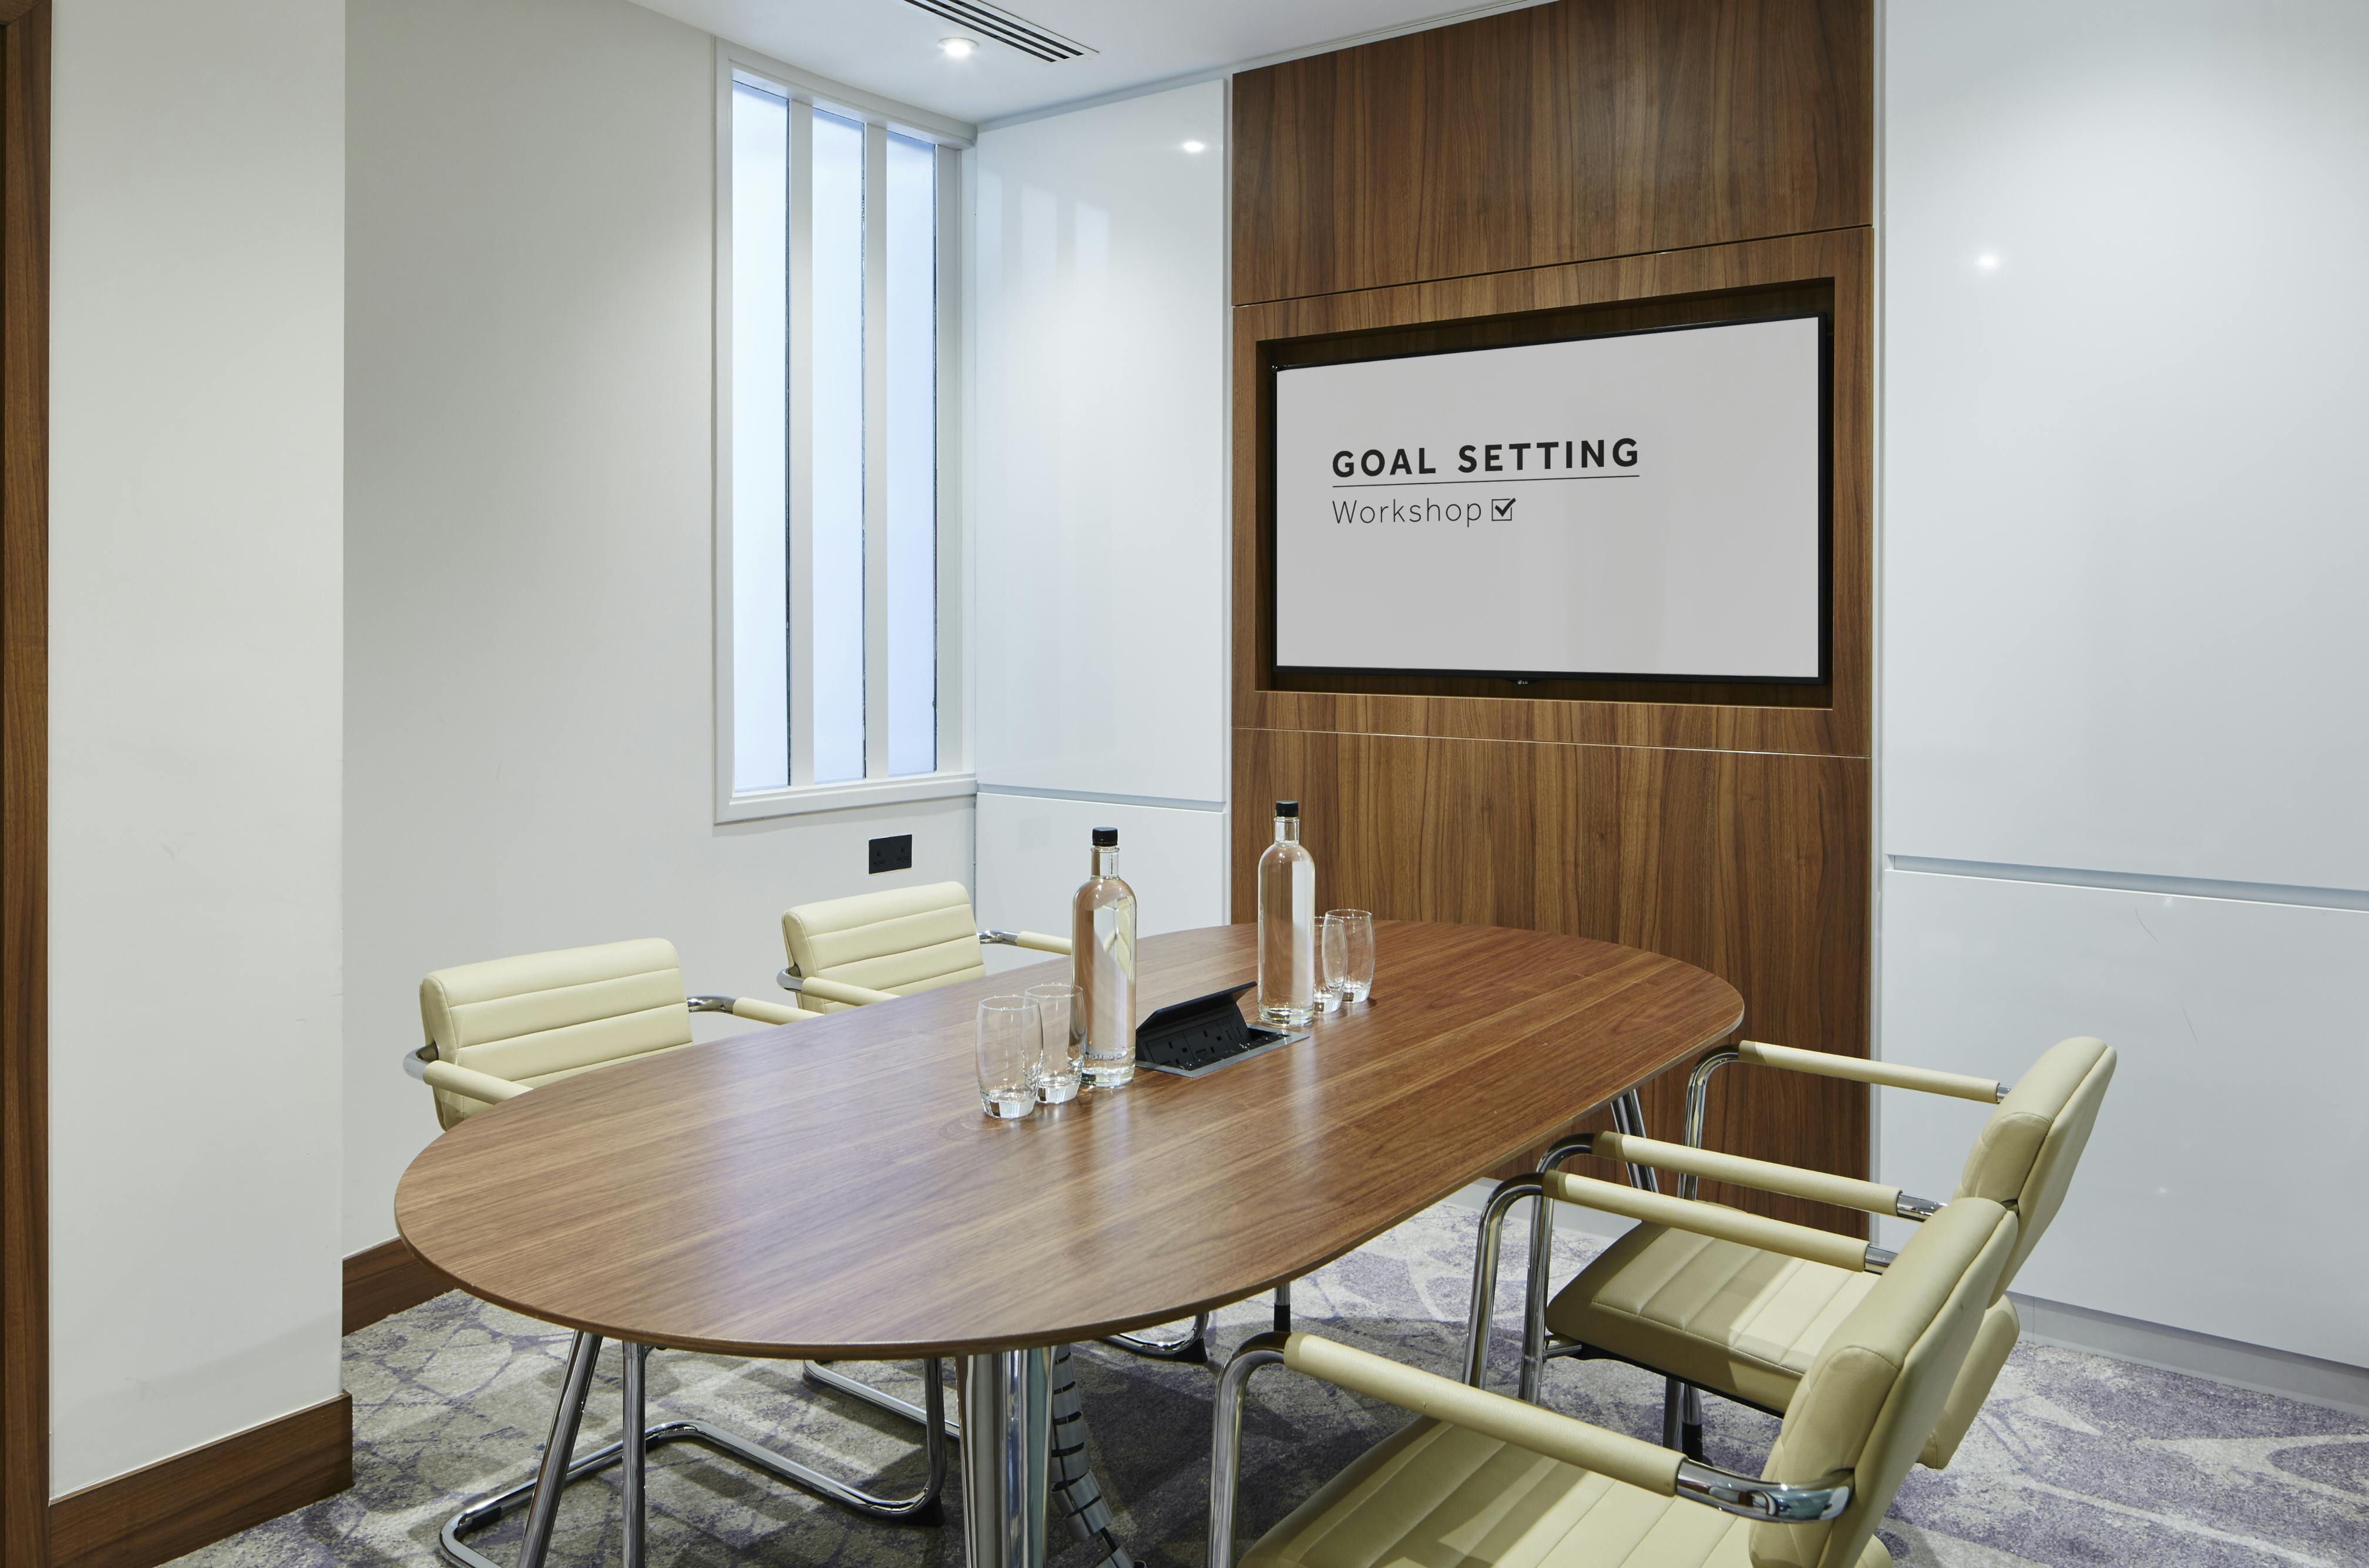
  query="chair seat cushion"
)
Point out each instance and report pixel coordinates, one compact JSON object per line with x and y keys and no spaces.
{"x":1439,"y":1496}
{"x":1726,"y":1317}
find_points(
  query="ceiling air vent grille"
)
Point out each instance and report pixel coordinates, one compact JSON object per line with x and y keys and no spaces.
{"x":1006,"y":28}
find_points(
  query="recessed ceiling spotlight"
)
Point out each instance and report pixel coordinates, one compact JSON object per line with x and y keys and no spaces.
{"x":1987,"y":261}
{"x":958,"y":48}
{"x":1197,"y":146}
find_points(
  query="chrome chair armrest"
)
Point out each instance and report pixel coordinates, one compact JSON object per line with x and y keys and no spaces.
{"x":482,"y":1087}
{"x":746,"y":1007}
{"x":830,"y":990}
{"x":1713,"y":1219}
{"x":1826,"y":1064}
{"x":1035,"y":940}
{"x":415,"y":1063}
{"x":1777,"y":1501}
{"x":1791,"y":1181}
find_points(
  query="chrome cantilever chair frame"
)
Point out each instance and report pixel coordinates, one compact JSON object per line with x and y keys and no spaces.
{"x":1726,"y":1490}
{"x":560,"y":1465}
{"x":1682,"y":1411}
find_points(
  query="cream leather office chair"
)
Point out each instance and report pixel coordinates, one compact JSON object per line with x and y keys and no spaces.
{"x":499,"y":1028}
{"x":1483,"y":1480}
{"x":848,"y":952}
{"x":1715,"y":1300}
{"x":507,"y":1026}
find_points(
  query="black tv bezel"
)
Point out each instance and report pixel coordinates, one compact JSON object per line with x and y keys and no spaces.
{"x":1824,"y":317}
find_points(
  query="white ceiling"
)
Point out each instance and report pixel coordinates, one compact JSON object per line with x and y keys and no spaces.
{"x":891,"y":47}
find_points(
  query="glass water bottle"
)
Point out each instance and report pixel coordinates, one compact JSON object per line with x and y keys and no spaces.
{"x":1102,"y":946}
{"x":1286,"y":925}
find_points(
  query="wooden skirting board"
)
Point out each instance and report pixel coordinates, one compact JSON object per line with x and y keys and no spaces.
{"x":177,"y":1506}
{"x":384,"y":1280}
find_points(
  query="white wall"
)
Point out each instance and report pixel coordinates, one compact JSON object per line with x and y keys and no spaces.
{"x":1035,"y":849}
{"x":2124,"y":658}
{"x":194,"y":709}
{"x":1097,"y":458}
{"x":528,"y":490}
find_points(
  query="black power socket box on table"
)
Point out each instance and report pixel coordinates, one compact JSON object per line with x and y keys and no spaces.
{"x":1189,"y":1038}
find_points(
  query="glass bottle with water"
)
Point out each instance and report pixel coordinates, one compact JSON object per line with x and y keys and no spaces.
{"x":1286,"y":925}
{"x":1102,"y":946}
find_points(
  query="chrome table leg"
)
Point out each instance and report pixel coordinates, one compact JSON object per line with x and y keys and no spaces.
{"x":551,"y":1477}
{"x":1283,"y":1307}
{"x":636,"y":1455}
{"x":1007,"y":1405}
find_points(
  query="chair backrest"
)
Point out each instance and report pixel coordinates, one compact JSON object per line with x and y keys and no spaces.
{"x":543,"y":1015}
{"x":900,"y":941}
{"x":2028,"y":1149}
{"x":1870,"y":1400}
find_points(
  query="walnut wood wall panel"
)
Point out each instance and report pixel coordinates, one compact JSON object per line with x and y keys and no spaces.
{"x":1749,"y":864}
{"x":1594,"y":161}
{"x":1588,"y":128}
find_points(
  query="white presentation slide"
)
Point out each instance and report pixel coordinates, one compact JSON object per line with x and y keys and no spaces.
{"x":1646,"y":505}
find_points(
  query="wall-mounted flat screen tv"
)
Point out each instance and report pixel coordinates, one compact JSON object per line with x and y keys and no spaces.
{"x":1650,"y":505}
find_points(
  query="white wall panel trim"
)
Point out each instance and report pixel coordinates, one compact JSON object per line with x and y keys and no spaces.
{"x":1165,"y":801}
{"x":2228,"y":1361}
{"x":2139,"y":882}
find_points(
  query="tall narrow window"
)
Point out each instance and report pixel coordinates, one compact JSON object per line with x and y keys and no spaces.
{"x":836,"y":597}
{"x":761,"y":423}
{"x":912,"y":456}
{"x":831,"y":519}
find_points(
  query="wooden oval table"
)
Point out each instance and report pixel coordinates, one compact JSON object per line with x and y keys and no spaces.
{"x":830,"y":1188}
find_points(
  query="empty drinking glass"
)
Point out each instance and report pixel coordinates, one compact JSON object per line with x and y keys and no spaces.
{"x":1007,"y":1056}
{"x":1061,"y":1041}
{"x":1332,"y":962}
{"x":1358,"y":955}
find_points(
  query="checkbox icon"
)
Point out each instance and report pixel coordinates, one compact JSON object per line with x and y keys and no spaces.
{"x":1504,"y":509}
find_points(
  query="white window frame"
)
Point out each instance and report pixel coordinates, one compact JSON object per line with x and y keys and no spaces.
{"x":954,"y":778}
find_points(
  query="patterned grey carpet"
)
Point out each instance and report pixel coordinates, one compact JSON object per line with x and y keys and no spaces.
{"x":2076,"y":1460}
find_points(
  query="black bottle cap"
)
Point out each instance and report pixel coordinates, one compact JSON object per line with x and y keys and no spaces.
{"x":1286,"y":808}
{"x":1105,"y":838}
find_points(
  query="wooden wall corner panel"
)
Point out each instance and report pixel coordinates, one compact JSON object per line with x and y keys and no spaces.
{"x":384,"y":1280}
{"x":1558,"y":133}
{"x":177,"y":1506}
{"x":1558,"y":170}
{"x":24,"y":784}
{"x":1752,"y":865}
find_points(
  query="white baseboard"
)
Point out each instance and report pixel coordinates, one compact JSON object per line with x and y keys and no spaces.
{"x":2234,"y":1362}
{"x":2238,"y":1365}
